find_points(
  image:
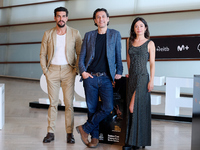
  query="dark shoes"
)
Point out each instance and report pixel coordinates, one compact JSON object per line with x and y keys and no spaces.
{"x":49,"y":137}
{"x":94,"y":143}
{"x":126,"y":147}
{"x":70,"y":138}
{"x":84,"y":135}
{"x":129,"y":147}
{"x":135,"y":147}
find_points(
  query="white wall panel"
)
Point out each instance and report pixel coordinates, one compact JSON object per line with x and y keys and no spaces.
{"x":4,"y":35}
{"x":145,"y":6}
{"x":21,"y":2}
{"x":85,"y":8}
{"x":34,"y":13}
{"x":177,"y":68}
{"x":2,"y":70}
{"x":28,"y":33}
{"x":174,"y":24}
{"x":3,"y":53}
{"x":24,"y":70}
{"x":4,"y":16}
{"x":30,"y":52}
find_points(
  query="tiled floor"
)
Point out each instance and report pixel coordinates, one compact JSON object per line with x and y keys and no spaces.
{"x":25,"y":127}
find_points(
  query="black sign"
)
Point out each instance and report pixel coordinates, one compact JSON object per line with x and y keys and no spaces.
{"x":177,"y":47}
{"x":113,"y":128}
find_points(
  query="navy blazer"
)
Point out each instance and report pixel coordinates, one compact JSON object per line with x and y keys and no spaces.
{"x":113,"y":49}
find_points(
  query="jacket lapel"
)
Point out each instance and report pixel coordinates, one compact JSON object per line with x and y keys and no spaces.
{"x":68,"y":34}
{"x":54,"y":42}
{"x":108,"y":40}
{"x":93,"y":41}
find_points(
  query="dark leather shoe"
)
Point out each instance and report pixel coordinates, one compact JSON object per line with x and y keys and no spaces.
{"x":84,"y":135}
{"x":126,"y":147}
{"x":49,"y":137}
{"x":94,"y":143}
{"x":70,"y":138}
{"x":135,"y":147}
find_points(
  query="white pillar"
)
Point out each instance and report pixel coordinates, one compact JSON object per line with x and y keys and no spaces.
{"x":2,"y":105}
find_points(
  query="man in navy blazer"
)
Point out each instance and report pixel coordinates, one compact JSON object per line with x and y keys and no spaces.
{"x":99,"y":65}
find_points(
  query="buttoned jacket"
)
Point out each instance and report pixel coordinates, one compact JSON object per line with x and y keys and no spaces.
{"x":72,"y":48}
{"x":113,"y":51}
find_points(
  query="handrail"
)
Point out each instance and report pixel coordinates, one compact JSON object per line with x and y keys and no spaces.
{"x":25,"y":43}
{"x":20,"y":62}
{"x":37,"y":62}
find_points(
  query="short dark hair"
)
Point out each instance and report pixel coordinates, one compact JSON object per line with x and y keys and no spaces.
{"x":60,"y":9}
{"x":132,"y":32}
{"x":97,"y":10}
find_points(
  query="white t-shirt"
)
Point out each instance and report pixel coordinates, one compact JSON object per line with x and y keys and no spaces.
{"x":60,"y":56}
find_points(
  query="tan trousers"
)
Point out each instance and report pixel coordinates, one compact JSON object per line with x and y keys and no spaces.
{"x":60,"y":76}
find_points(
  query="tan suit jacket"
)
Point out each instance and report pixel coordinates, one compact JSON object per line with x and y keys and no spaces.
{"x":72,"y":48}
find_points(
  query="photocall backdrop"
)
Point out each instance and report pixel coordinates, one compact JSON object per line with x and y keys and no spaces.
{"x":177,"y":47}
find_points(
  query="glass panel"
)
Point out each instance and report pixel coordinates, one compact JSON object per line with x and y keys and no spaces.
{"x":123,"y":50}
{"x":24,"y":70}
{"x":30,"y":52}
{"x":2,"y":70}
{"x":3,"y":53}
{"x":125,"y":68}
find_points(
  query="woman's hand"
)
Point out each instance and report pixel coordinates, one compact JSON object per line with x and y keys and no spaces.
{"x":150,"y":86}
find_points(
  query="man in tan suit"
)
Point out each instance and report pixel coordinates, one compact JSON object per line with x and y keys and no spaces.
{"x":59,"y":55}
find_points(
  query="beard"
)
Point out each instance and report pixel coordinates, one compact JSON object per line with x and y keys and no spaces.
{"x":61,"y":26}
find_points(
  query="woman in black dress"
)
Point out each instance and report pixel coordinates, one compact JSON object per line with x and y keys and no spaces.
{"x":140,"y":84}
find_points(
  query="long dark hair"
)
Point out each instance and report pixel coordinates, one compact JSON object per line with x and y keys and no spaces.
{"x":132,"y":32}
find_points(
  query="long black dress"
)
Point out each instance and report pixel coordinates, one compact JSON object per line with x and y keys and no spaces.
{"x":139,"y":122}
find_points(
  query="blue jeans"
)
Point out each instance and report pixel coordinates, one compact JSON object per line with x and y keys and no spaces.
{"x":95,"y":87}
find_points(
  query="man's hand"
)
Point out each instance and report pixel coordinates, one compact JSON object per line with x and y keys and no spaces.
{"x":118,"y":76}
{"x":86,"y":75}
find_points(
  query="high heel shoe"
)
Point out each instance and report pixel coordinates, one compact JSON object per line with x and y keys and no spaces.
{"x":135,"y":147}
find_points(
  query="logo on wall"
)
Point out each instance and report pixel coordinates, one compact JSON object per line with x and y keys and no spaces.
{"x":177,"y":47}
{"x":198,"y":47}
{"x":182,"y":48}
{"x":162,"y":49}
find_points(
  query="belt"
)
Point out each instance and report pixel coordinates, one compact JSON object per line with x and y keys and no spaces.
{"x":98,"y":74}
